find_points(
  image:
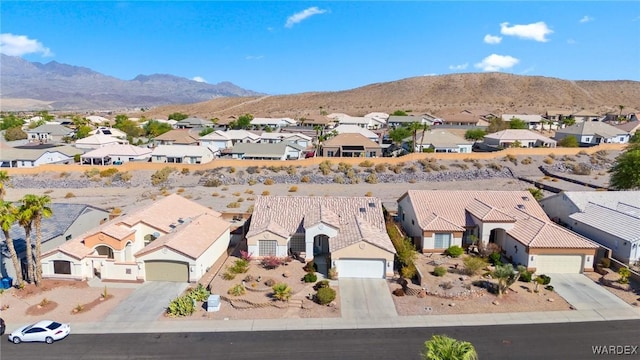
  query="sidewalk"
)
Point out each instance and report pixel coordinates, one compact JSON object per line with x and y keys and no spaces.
{"x":162,"y":326}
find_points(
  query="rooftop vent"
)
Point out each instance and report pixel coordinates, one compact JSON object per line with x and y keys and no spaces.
{"x":525,"y":198}
{"x":520,"y":206}
{"x":372,"y":204}
{"x":362,"y":210}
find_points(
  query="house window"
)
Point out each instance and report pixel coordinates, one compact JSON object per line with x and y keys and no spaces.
{"x":330,"y":153}
{"x":297,"y":244}
{"x":267,"y":247}
{"x":442,"y":240}
{"x":61,"y":267}
{"x":67,"y":238}
{"x":127,"y":271}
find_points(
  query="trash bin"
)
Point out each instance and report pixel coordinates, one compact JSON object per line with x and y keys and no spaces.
{"x":213,"y":303}
{"x":7,"y":283}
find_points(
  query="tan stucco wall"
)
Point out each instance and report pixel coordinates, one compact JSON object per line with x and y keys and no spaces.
{"x":368,"y":251}
{"x":549,"y":251}
{"x":253,"y":240}
{"x":104,"y":239}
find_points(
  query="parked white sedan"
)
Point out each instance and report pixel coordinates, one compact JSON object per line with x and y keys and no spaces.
{"x":44,"y":331}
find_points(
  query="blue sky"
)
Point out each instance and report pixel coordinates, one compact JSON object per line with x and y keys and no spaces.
{"x":291,"y":47}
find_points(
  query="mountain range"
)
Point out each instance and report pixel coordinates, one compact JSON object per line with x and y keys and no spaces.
{"x":26,"y":85}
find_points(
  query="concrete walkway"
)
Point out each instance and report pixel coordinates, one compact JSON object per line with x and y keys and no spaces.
{"x":366,"y":299}
{"x":584,"y":294}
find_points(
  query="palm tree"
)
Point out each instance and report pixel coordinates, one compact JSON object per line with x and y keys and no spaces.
{"x":8,"y":216}
{"x":442,"y":347}
{"x":36,"y":208}
{"x":413,"y":128}
{"x":620,"y":114}
{"x":4,"y":177}
{"x":26,"y":221}
{"x":425,"y":128}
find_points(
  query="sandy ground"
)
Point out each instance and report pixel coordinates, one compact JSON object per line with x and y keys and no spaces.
{"x":630,"y":292}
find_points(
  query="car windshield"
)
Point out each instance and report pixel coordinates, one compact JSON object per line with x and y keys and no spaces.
{"x":54,"y":325}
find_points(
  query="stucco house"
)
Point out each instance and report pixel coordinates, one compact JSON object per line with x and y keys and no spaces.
{"x":171,"y":239}
{"x":273,"y":123}
{"x":518,"y":137}
{"x":512,"y":220}
{"x":610,"y":218}
{"x":276,"y":137}
{"x":533,"y":121}
{"x":591,"y":133}
{"x":225,"y":139}
{"x":97,"y":141}
{"x":182,"y":154}
{"x":283,"y":150}
{"x":48,"y":133}
{"x":66,"y":222}
{"x":102,"y":130}
{"x":115,"y":154}
{"x":395,"y":121}
{"x":440,"y":141}
{"x":350,"y":145}
{"x":177,"y":137}
{"x":345,"y":233}
{"x":26,"y":157}
{"x":354,"y":129}
{"x":586,"y":115}
{"x":363,"y":122}
{"x":193,"y":123}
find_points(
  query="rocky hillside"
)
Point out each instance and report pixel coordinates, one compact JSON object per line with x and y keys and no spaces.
{"x":492,"y":92}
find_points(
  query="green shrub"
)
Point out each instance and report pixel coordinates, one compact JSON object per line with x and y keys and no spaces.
{"x":321,"y":284}
{"x":544,"y":279}
{"x":212,"y":183}
{"x":161,"y":176}
{"x":366,"y":163}
{"x":371,"y":179}
{"x":525,"y":276}
{"x":408,"y":271}
{"x":108,"y":172}
{"x":549,"y":287}
{"x":454,"y":251}
{"x":624,"y":273}
{"x":495,"y":259}
{"x":473,"y":264}
{"x":605,"y":262}
{"x":237,"y":290}
{"x":181,"y":306}
{"x":228,"y":275}
{"x":310,"y":277}
{"x":325,"y":295}
{"x":240,"y":266}
{"x":439,"y":271}
{"x":281,"y":291}
{"x":199,"y":293}
{"x":310,"y":266}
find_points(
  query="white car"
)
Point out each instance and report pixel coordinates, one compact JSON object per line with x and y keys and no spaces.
{"x":44,"y":331}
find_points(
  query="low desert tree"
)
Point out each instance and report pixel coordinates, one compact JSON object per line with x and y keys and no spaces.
{"x":497,"y":124}
{"x":14,"y":133}
{"x":475,"y":134}
{"x":625,"y":172}
{"x":569,"y":141}
{"x":154,"y":128}
{"x":243,"y":122}
{"x":536,"y":193}
{"x":624,"y":273}
{"x":10,"y":121}
{"x":473,"y":264}
{"x":506,"y":276}
{"x":516,"y":123}
{"x":177,"y":116}
{"x":442,"y":347}
{"x":206,"y":131}
{"x":83,"y":131}
{"x":399,"y":113}
{"x":568,"y":121}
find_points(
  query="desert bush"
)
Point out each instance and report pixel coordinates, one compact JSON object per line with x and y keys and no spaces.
{"x":408,"y":271}
{"x":447,"y":285}
{"x":305,"y":179}
{"x":69,"y":195}
{"x":108,"y":172}
{"x":14,"y":133}
{"x":269,"y":282}
{"x":624,"y":273}
{"x":581,"y":169}
{"x":366,"y":164}
{"x":236,"y":193}
{"x":249,"y":278}
{"x":213,"y":182}
{"x":181,"y":306}
{"x":293,"y":189}
{"x":461,"y":166}
{"x":544,"y":279}
{"x":224,"y":188}
{"x":291,"y":170}
{"x":228,"y":275}
{"x":478,"y":165}
{"x":583,"y":153}
{"x":185,"y":171}
{"x":265,"y":193}
{"x":605,"y":262}
{"x":380,"y":168}
{"x":270,"y":262}
{"x":253,"y":170}
{"x":281,"y":291}
{"x":252,"y":182}
{"x":338,"y":179}
{"x":526,"y":161}
{"x":180,"y":190}
{"x":454,"y":251}
{"x":333,"y":273}
{"x":439,"y":271}
{"x":512,"y":158}
{"x":237,"y":290}
{"x":371,"y":179}
{"x":368,"y":194}
{"x":231,"y":170}
{"x":215,"y":194}
{"x":91,"y":172}
{"x":310,"y":266}
{"x":124,"y":176}
{"x":310,"y":277}
{"x":397,"y":169}
{"x":240,"y":266}
{"x":269,"y":181}
{"x":199,"y":293}
{"x":473,"y":264}
{"x":548,"y":160}
{"x":494,"y":166}
{"x":325,"y":167}
{"x":161,"y":176}
{"x":233,"y":205}
{"x":344,"y":167}
{"x":275,"y":169}
{"x":325,"y":296}
{"x":525,"y":276}
{"x":321,"y":284}
{"x":495,"y":258}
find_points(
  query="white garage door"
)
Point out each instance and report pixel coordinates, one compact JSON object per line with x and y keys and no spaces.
{"x":361,"y":268}
{"x":559,"y":264}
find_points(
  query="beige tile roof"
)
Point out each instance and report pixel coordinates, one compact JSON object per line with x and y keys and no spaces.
{"x":519,"y":134}
{"x":179,"y":136}
{"x":192,"y":238}
{"x":350,"y":139}
{"x":532,"y":227}
{"x":357,"y":218}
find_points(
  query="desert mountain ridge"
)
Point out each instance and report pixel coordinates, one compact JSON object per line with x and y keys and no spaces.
{"x":443,"y":94}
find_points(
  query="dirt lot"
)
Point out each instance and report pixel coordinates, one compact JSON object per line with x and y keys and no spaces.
{"x":465,"y":298}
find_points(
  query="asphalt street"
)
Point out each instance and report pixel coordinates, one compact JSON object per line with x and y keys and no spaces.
{"x":564,"y":341}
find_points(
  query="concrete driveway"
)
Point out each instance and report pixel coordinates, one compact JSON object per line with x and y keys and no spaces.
{"x":584,"y":294}
{"x":147,"y":302}
{"x":366,"y":299}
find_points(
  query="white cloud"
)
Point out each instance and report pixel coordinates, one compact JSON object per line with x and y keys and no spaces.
{"x":254,"y":57}
{"x":536,"y":31}
{"x":571,"y":41}
{"x":496,"y":62}
{"x":18,"y":45}
{"x":458,"y":67}
{"x":492,"y":39}
{"x":303,"y":15}
{"x":199,"y":79}
{"x":586,"y":19}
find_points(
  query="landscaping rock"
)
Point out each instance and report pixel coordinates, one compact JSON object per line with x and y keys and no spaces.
{"x":286,"y":274}
{"x":495,"y":302}
{"x":422,"y":294}
{"x":452,"y":304}
{"x":550,"y":300}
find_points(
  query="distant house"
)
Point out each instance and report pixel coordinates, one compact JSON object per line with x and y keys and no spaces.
{"x":465,"y":118}
{"x":99,"y":140}
{"x":66,"y":221}
{"x":115,"y":154}
{"x":109,"y":131}
{"x":48,"y":133}
{"x":630,"y":126}
{"x":586,"y":115}
{"x":350,"y":145}
{"x":97,"y":120}
{"x":344,"y":233}
{"x":534,"y":122}
{"x":610,"y":218}
{"x":283,"y":150}
{"x":193,"y":123}
{"x":276,"y":137}
{"x":177,"y":137}
{"x":225,"y":139}
{"x":363,"y":122}
{"x":171,"y":239}
{"x":440,"y":141}
{"x":273,"y":123}
{"x":518,"y":137}
{"x":182,"y":154}
{"x":557,"y":115}
{"x":27,"y":157}
{"x":354,"y":129}
{"x":511,"y":220}
{"x":591,"y":133}
{"x":379,"y":116}
{"x":311,"y":121}
{"x":396,"y":121}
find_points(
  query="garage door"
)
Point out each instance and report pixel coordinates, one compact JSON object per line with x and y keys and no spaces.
{"x":166,"y":271}
{"x":361,"y":268}
{"x":559,"y":264}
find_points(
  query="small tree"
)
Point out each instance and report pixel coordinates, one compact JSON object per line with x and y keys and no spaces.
{"x":473,"y":264}
{"x":536,"y":193}
{"x":516,"y":123}
{"x":506,"y":276}
{"x":625,"y":172}
{"x":442,"y":347}
{"x":624,"y":273}
{"x":569,"y":141}
{"x":475,"y":134}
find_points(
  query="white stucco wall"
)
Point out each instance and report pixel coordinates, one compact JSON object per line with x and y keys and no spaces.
{"x":558,"y":207}
{"x":363,"y":250}
{"x":211,"y":255}
{"x":78,"y":268}
{"x":312,"y":232}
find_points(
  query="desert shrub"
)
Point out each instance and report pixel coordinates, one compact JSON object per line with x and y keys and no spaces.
{"x":495,"y":166}
{"x":291,"y":170}
{"x":549,"y":287}
{"x":439,"y":271}
{"x":253,"y":170}
{"x":325,"y":296}
{"x":275,"y":169}
{"x":321,"y":284}
{"x":371,"y":179}
{"x":237,"y":290}
{"x":368,"y":194}
{"x":91,"y":172}
{"x":409,"y":271}
{"x":248,"y":191}
{"x":544,"y":279}
{"x":461,"y":166}
{"x":269,"y":282}
{"x":199,"y":293}
{"x":454,"y":251}
{"x":293,"y":189}
{"x":310,"y":277}
{"x":605,"y":262}
{"x":108,"y":172}
{"x":252,"y":182}
{"x":233,"y":205}
{"x":548,"y":161}
{"x":366,"y":164}
{"x":215,"y":194}
{"x":249,"y":278}
{"x":380,"y":168}
{"x":624,"y":273}
{"x":161,"y":176}
{"x":398,"y":292}
{"x":181,"y":306}
{"x":250,"y":208}
{"x":305,"y":179}
{"x":525,"y":276}
{"x":240,"y":266}
{"x":14,"y":133}
{"x":231,"y":170}
{"x":69,"y":195}
{"x":228,"y":275}
{"x":185,"y":171}
{"x":268,"y":181}
{"x":180,"y":190}
{"x":447,"y":285}
{"x":495,"y":258}
{"x":310,"y":266}
{"x":237,"y":193}
{"x":526,"y":161}
{"x":569,"y":141}
{"x":281,"y":291}
{"x":473,"y":264}
{"x":338,"y":179}
{"x":581,"y":169}
{"x":265,"y":193}
{"x":213,"y":182}
{"x":325,"y":167}
{"x":124,"y":176}
{"x":270,"y":262}
{"x":333,"y":273}
{"x":478,"y":165}
{"x":397,"y":169}
{"x":512,"y":158}
{"x":583,"y":153}
{"x":344,"y":167}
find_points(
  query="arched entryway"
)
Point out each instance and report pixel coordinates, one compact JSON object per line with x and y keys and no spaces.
{"x":321,"y":255}
{"x":497,"y":237}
